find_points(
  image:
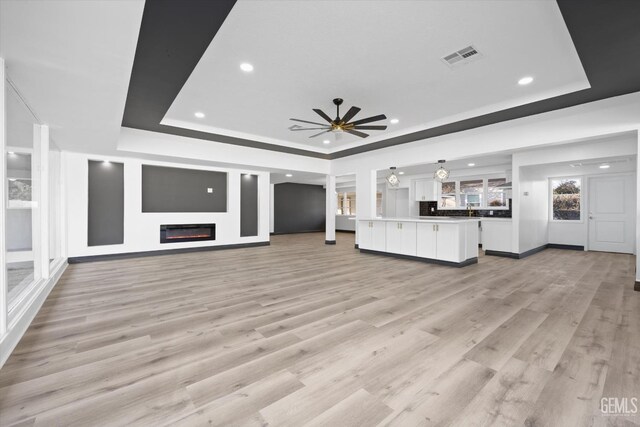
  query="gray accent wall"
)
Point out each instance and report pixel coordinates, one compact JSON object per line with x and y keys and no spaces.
{"x":106,"y":203}
{"x":248,"y":205}
{"x":167,"y":189}
{"x":298,"y":208}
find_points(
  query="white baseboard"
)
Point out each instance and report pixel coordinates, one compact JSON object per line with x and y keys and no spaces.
{"x":27,"y":312}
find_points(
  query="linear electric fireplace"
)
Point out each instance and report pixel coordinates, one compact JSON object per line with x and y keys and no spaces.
{"x":173,"y":233}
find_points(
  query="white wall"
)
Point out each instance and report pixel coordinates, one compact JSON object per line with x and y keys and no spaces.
{"x":191,"y":150}
{"x":554,"y":162}
{"x":272,"y":220}
{"x":142,"y":230}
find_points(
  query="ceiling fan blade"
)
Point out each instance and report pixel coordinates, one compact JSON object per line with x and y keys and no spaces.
{"x":318,"y":134}
{"x":307,"y":121}
{"x":350,"y":114}
{"x":323,"y":115}
{"x":374,"y":127}
{"x":324,"y":127}
{"x":369,"y":120}
{"x":356,"y":133}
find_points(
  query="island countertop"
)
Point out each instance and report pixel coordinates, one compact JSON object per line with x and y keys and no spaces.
{"x":445,"y":219}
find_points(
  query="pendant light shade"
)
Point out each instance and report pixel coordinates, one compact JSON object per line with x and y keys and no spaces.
{"x":392,"y":178}
{"x":441,"y":173}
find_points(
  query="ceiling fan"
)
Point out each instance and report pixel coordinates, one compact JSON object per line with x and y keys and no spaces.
{"x":341,"y":124}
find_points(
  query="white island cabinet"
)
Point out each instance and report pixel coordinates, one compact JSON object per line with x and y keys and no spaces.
{"x":372,"y":235}
{"x":450,"y":241}
{"x":401,"y":237}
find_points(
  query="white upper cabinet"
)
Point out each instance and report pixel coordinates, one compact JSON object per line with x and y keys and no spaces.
{"x":425,"y":190}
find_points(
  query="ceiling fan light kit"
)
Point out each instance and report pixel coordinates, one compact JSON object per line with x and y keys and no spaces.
{"x":342,"y":124}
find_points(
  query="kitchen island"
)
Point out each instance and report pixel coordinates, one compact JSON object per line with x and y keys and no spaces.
{"x":447,"y":241}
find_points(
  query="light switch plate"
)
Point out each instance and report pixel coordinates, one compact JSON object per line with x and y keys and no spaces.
{"x":209,"y":190}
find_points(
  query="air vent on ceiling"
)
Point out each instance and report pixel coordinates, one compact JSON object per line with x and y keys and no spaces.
{"x":462,"y":56}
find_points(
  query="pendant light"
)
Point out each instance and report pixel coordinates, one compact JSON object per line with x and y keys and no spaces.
{"x":441,"y":173}
{"x":392,"y":179}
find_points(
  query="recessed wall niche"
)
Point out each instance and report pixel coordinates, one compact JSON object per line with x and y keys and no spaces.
{"x":106,"y":203}
{"x":166,"y":189}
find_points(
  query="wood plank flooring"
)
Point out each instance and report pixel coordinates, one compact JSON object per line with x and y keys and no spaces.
{"x":302,"y":333}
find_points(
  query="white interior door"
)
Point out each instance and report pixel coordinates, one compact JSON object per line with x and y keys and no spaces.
{"x":611,"y":213}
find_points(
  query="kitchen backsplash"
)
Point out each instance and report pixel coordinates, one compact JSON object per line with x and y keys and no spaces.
{"x":425,"y":210}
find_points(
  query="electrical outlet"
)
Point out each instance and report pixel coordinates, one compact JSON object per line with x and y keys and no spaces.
{"x":491,"y":213}
{"x":432,"y":209}
{"x":209,"y":190}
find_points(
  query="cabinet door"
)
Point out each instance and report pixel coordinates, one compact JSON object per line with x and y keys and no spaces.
{"x":378,"y":235}
{"x":426,"y":240}
{"x":408,"y":238}
{"x":394,"y":237}
{"x":496,"y":236}
{"x":449,"y":243}
{"x":430,"y":191}
{"x":364,"y":234}
{"x":420,"y":191}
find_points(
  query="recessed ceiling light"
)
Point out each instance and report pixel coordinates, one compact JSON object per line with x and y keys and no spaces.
{"x":400,"y":173}
{"x":525,"y":80}
{"x":246,"y":67}
{"x":471,"y":164}
{"x":199,"y":114}
{"x":11,"y":152}
{"x":605,"y":166}
{"x":394,"y":121}
{"x":106,"y":162}
{"x":326,"y":141}
{"x":288,"y":175}
{"x":12,"y":179}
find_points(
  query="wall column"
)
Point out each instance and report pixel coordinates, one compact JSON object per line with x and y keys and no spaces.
{"x":637,"y":284}
{"x":4,"y":301}
{"x":330,"y":220}
{"x":366,"y":187}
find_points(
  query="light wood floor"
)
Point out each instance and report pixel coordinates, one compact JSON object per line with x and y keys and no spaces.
{"x":305,"y":333}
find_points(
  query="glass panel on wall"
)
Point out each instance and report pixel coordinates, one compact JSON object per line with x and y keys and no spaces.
{"x":21,"y":197}
{"x":448,"y":195}
{"x":471,"y":193}
{"x":496,"y":196}
{"x":566,"y":199}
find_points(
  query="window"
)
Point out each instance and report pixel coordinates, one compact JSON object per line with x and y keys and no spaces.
{"x":496,"y":196}
{"x":476,"y":193}
{"x":448,"y":195}
{"x":346,"y":204}
{"x":471,"y":193}
{"x":565,"y":199}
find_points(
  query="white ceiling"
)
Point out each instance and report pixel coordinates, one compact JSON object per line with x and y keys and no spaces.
{"x":381,"y":56}
{"x":71,"y":61}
